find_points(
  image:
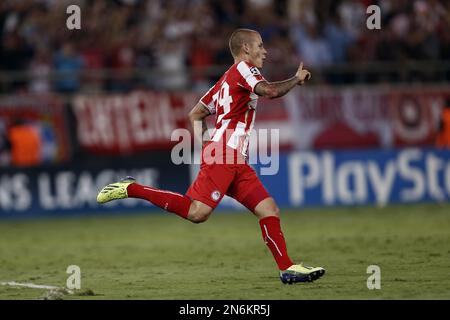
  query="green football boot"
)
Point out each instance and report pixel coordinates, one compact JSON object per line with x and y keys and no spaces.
{"x":301,"y":273}
{"x":115,"y":191}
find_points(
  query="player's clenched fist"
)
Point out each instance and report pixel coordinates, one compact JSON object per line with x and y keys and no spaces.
{"x":302,"y":74}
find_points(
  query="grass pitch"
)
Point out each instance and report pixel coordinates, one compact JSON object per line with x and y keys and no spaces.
{"x":161,"y":256}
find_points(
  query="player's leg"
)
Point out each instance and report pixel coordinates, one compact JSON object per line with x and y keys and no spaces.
{"x":128,"y":188}
{"x":183,"y":206}
{"x":269,"y":220}
{"x":199,"y":212}
{"x":197,"y":205}
{"x":264,"y":207}
{"x":208,"y":190}
{"x":250,"y":192}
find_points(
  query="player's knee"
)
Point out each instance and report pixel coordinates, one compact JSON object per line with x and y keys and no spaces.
{"x":273,"y":211}
{"x":267,"y":210}
{"x":199,"y":215}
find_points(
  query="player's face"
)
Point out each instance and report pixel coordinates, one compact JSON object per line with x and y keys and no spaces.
{"x":257,"y":53}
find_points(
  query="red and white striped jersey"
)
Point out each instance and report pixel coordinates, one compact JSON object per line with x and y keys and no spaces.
{"x":233,"y":100}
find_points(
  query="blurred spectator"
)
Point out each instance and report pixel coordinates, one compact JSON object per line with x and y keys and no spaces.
{"x":15,"y":56}
{"x":5,"y":146}
{"x":94,"y":62}
{"x":280,"y":52}
{"x":68,"y":63}
{"x":300,"y":10}
{"x":311,"y":44}
{"x":201,"y":57}
{"x":261,"y":15}
{"x":25,"y":144}
{"x":443,"y":136}
{"x":228,"y":13}
{"x":171,"y":56}
{"x":352,"y":13}
{"x":122,"y":61}
{"x":49,"y":145}
{"x":338,"y":38}
{"x":40,"y":68}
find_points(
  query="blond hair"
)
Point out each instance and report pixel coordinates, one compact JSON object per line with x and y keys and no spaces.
{"x":238,"y":38}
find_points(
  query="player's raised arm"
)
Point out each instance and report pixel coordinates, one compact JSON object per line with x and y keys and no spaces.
{"x":197,"y":118}
{"x":278,"y":89}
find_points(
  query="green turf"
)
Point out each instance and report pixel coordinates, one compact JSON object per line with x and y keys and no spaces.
{"x":161,"y":256}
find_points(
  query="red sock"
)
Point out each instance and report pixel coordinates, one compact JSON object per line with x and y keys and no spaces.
{"x":167,"y":200}
{"x":273,"y":237}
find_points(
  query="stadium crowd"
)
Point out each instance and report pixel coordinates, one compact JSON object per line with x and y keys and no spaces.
{"x":181,"y":40}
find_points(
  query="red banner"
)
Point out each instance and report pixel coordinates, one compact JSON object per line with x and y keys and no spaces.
{"x":309,"y":118}
{"x":129,"y":123}
{"x":415,"y":115}
{"x":366,"y":117}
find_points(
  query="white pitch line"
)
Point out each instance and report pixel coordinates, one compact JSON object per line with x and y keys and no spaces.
{"x":33,"y":286}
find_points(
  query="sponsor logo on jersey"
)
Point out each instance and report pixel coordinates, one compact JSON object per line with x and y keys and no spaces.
{"x":255,"y":71}
{"x":215,"y":195}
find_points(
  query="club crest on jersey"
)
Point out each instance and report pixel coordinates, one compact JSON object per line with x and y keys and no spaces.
{"x":215,"y":195}
{"x":255,"y":71}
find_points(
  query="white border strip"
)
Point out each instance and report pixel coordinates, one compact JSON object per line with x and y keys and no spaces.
{"x":33,"y":286}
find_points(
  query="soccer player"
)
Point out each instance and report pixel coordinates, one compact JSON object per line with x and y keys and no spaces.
{"x":224,"y":169}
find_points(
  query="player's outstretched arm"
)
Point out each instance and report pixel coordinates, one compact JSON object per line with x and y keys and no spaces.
{"x":278,"y":89}
{"x":197,"y":118}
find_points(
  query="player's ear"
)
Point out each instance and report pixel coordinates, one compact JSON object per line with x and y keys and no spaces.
{"x":245,"y":48}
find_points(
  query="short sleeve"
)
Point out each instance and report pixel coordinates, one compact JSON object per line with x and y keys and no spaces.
{"x":250,"y":75}
{"x":208,"y":102}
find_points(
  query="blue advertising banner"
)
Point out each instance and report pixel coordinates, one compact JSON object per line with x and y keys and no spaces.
{"x":375,"y":177}
{"x":298,"y":179}
{"x":57,"y":191}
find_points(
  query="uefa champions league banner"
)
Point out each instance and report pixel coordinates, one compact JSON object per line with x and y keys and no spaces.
{"x":359,"y":178}
{"x":301,"y":179}
{"x":72,"y":190}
